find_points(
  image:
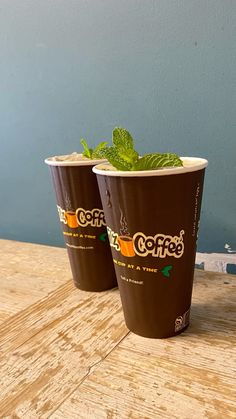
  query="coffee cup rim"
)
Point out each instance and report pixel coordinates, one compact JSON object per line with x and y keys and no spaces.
{"x":194,"y":164}
{"x":85,"y":162}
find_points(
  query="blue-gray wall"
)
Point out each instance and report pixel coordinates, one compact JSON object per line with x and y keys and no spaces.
{"x":164,"y":69}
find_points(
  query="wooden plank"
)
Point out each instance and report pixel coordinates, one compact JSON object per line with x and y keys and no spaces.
{"x":28,"y":272}
{"x":51,"y":347}
{"x":33,"y":320}
{"x":189,"y":376}
{"x":3,"y":316}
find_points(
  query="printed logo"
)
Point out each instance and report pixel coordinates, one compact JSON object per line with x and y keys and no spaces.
{"x":166,"y":270}
{"x":159,"y":246}
{"x":82,"y":217}
{"x":182,"y":321}
{"x":113,"y":239}
{"x":94,"y":218}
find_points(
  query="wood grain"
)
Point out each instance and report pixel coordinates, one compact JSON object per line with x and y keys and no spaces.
{"x":62,"y":338}
{"x":189,"y":376}
{"x":66,"y":353}
{"x":28,"y":272}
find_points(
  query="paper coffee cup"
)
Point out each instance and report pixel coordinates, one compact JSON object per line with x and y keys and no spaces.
{"x":83,"y":223}
{"x":152,"y":221}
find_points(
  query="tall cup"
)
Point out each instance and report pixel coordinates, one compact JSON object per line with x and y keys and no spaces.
{"x":83,"y":223}
{"x":152,"y":218}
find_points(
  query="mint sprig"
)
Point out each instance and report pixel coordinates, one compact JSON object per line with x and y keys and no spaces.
{"x":98,"y":151}
{"x":87,"y":152}
{"x":123,"y":156}
{"x":114,"y":157}
{"x":121,"y":138}
{"x":91,"y":153}
{"x":157,"y":161}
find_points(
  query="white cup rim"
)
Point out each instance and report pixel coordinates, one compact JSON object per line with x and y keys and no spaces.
{"x":87,"y":162}
{"x":194,"y":164}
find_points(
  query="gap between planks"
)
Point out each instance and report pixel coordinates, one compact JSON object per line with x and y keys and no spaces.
{"x":91,"y":370}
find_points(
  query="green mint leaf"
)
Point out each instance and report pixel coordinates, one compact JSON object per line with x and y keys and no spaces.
{"x":121,"y":138}
{"x":115,"y":159}
{"x":157,"y":161}
{"x":87,"y":151}
{"x":100,"y":146}
{"x":129,"y":155}
{"x":98,"y":152}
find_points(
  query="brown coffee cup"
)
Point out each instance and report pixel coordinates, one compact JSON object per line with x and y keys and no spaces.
{"x":83,"y":223}
{"x":159,"y":212}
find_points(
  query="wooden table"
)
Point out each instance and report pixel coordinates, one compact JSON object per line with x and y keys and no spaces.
{"x":66,"y":353}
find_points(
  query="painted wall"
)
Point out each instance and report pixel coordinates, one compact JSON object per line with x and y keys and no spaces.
{"x":163,"y":69}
